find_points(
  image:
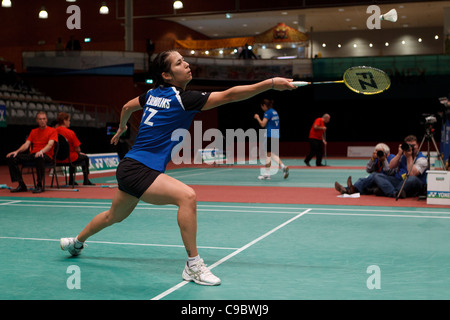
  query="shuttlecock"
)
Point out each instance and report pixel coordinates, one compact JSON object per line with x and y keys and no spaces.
{"x":390,"y":16}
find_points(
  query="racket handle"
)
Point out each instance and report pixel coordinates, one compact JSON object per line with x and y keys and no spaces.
{"x":300,"y":83}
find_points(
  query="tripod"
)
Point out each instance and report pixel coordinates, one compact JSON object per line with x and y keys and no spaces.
{"x":428,"y":137}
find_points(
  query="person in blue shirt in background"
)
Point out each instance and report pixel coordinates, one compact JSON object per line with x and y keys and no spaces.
{"x":409,"y":164}
{"x":140,"y":174}
{"x":377,"y":164}
{"x":271,"y":121}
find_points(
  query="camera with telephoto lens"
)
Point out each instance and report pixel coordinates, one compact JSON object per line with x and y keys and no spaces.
{"x":407,"y":146}
{"x":380,"y":154}
{"x":430,"y":119}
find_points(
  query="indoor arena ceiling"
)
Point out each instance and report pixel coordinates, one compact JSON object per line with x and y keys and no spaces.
{"x":345,"y":18}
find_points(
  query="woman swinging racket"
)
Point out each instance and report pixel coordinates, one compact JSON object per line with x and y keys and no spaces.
{"x":140,"y":174}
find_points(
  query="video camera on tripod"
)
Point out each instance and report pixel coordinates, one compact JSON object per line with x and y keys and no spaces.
{"x":445,"y":101}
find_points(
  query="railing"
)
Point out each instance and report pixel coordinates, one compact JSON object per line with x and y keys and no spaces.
{"x":85,"y":61}
{"x":22,"y":107}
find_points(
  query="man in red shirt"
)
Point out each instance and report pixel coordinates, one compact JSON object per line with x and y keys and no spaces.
{"x":317,"y":140}
{"x":41,"y":140}
{"x":63,"y":124}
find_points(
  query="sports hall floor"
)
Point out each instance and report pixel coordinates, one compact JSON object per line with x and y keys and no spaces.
{"x":279,"y":239}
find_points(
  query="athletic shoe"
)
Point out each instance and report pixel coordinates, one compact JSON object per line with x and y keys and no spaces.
{"x":200,"y":274}
{"x":263,"y":177}
{"x":285,"y":172}
{"x":68,"y":244}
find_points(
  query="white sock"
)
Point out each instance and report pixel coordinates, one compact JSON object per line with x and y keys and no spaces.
{"x":193,"y":260}
{"x":78,"y":244}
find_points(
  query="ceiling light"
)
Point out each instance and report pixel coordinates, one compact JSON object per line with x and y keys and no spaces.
{"x":420,"y":39}
{"x":71,"y":0}
{"x":436,"y":37}
{"x":43,"y":14}
{"x":178,"y":5}
{"x":104,"y":8}
{"x":371,"y":45}
{"x":355,"y":45}
{"x":324,"y":45}
{"x":6,"y":3}
{"x":339,"y":45}
{"x":403,"y":42}
{"x":387,"y":44}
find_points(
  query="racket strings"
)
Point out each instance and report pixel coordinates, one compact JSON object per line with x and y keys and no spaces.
{"x":366,"y":80}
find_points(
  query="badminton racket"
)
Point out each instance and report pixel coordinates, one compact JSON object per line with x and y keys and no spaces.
{"x":362,"y":79}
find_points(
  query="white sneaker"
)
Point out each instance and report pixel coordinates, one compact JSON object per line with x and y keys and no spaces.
{"x":68,"y":244}
{"x":200,"y":274}
{"x":264,"y":177}
{"x":285,"y":172}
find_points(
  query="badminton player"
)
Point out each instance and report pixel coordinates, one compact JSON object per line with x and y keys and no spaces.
{"x":140,"y":174}
{"x":271,"y":121}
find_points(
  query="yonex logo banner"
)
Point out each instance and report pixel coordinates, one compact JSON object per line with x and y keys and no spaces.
{"x":103,"y":162}
{"x":438,"y":194}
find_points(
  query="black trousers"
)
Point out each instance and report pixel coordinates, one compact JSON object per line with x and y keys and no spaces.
{"x":15,"y":172}
{"x":82,"y":161}
{"x":316,"y":149}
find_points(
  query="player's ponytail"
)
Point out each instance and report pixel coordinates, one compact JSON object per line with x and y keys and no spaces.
{"x":160,"y":64}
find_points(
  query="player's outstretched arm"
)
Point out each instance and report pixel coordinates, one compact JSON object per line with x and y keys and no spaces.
{"x":244,"y":92}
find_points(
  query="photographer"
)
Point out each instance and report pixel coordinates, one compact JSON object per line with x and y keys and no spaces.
{"x":377,"y":164}
{"x":408,"y":159}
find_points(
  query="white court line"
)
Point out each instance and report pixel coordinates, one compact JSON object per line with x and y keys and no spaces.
{"x":378,"y":215}
{"x":210,"y":208}
{"x":122,"y":243}
{"x":200,"y":173}
{"x":9,"y":202}
{"x":183,"y":283}
{"x":143,"y":205}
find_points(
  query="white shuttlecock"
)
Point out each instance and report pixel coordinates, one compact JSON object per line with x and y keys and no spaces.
{"x":391,"y":15}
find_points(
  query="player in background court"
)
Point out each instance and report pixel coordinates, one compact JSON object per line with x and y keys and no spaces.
{"x":271,"y":121}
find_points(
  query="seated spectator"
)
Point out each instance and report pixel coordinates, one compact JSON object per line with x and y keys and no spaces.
{"x":408,"y":161}
{"x":377,"y":164}
{"x":41,"y":140}
{"x":62,"y":127}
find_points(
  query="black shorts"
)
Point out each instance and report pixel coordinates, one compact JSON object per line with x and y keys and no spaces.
{"x":134,"y":177}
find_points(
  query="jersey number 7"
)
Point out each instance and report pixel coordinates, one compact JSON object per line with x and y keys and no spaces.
{"x":151,"y":115}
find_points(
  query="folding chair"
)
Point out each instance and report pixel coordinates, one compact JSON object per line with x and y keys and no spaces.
{"x":63,"y":158}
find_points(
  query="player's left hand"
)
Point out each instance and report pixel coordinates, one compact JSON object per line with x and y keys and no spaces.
{"x":116,"y":137}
